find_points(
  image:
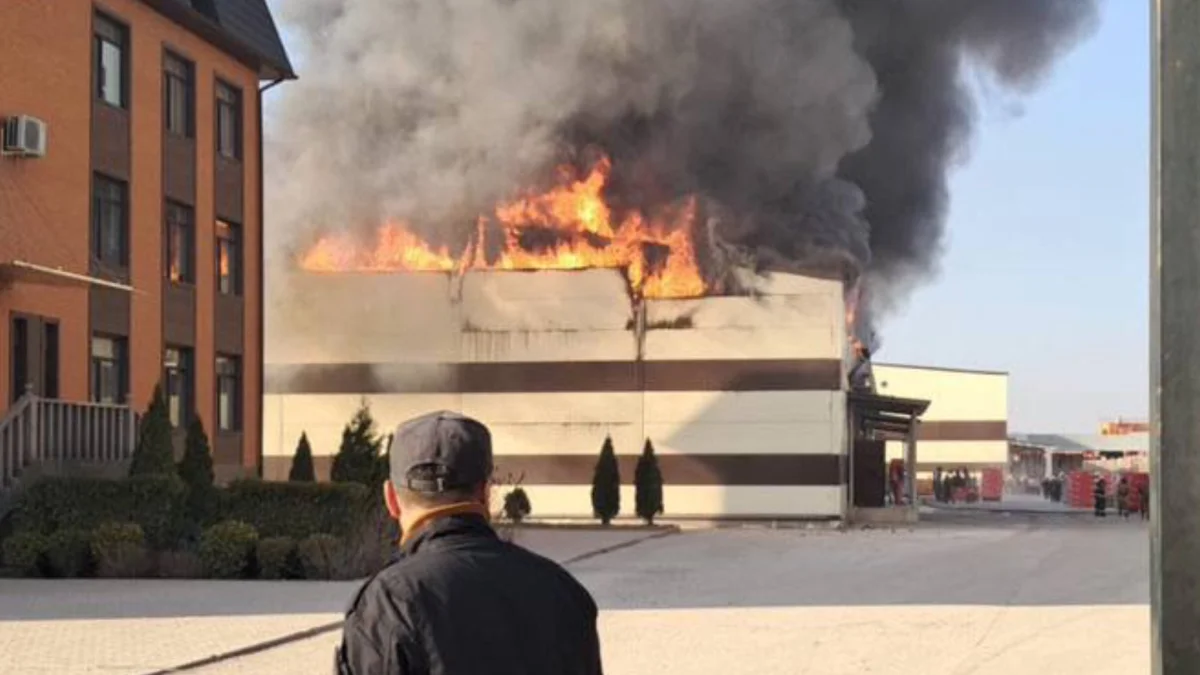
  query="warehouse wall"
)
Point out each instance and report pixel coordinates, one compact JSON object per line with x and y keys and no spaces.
{"x":967,"y":422}
{"x":741,"y":397}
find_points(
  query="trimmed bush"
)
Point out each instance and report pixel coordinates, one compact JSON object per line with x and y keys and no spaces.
{"x":69,"y":552}
{"x":24,"y":552}
{"x":516,"y":505}
{"x":227,"y":549}
{"x":196,"y":471}
{"x":119,"y":550}
{"x":154,"y":454}
{"x":179,"y":565}
{"x":357,"y":459}
{"x":297,"y":510}
{"x":648,"y":482}
{"x":302,"y":463}
{"x":155,"y":503}
{"x":606,"y":484}
{"x":368,"y":547}
{"x":319,"y":556}
{"x":277,"y":558}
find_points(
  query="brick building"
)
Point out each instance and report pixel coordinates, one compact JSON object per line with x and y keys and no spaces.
{"x":131,"y":249}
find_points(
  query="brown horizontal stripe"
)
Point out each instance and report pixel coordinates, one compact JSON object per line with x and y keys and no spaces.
{"x":554,"y":377}
{"x":777,"y":470}
{"x":963,"y":431}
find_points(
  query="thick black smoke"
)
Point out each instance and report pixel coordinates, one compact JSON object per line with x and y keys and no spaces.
{"x":821,"y":128}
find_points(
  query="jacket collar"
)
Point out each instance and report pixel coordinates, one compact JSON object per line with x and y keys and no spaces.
{"x":463,"y":523}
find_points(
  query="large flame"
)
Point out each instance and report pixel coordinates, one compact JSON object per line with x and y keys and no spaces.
{"x":578,"y":230}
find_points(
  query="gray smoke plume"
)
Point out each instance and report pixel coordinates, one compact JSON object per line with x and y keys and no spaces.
{"x":821,"y":126}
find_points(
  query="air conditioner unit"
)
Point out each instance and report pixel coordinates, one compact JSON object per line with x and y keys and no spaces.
{"x":24,"y":136}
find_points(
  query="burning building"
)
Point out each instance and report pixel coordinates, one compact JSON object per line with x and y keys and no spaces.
{"x":579,"y":326}
{"x":670,"y":221}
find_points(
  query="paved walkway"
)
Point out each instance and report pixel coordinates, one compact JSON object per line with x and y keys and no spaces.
{"x":968,"y":594}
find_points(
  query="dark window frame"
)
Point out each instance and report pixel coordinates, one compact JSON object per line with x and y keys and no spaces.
{"x":228,"y":369}
{"x":228,"y":247}
{"x":228,"y":110}
{"x":114,"y":195}
{"x":179,"y":77}
{"x":108,"y":30}
{"x":120,"y":361}
{"x":179,"y":216}
{"x":185,"y":372}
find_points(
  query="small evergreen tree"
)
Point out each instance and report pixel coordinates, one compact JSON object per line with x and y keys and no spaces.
{"x":648,"y":482}
{"x":606,"y":484}
{"x":302,"y":463}
{"x":516,"y":505}
{"x":196,"y":470}
{"x":154,"y":452}
{"x":357,"y":459}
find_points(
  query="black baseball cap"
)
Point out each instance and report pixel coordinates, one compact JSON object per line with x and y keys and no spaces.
{"x":441,"y":451}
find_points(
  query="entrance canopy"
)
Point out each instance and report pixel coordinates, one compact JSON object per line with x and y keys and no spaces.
{"x":888,"y":417}
{"x":882,"y":418}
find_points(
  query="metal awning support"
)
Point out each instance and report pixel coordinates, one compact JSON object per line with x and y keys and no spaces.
{"x":21,"y":265}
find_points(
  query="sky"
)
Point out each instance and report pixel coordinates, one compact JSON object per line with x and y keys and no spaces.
{"x":1045,"y":273}
{"x":1046,"y":266}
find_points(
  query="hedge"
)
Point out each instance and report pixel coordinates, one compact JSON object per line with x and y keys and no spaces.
{"x":277,"y":558}
{"x":120,"y":550}
{"x":227,"y":549}
{"x":24,"y":551}
{"x":298,"y":510}
{"x":155,"y":503}
{"x":69,"y":552}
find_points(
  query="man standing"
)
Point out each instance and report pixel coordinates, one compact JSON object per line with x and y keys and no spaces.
{"x":460,"y":601}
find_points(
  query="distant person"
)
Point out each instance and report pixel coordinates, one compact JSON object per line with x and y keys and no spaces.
{"x":459,"y":601}
{"x":938,"y":487}
{"x":1144,"y":489}
{"x":1123,"y":497}
{"x":1100,"y":496}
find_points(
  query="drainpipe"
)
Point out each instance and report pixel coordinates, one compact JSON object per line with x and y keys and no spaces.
{"x":262,"y":294}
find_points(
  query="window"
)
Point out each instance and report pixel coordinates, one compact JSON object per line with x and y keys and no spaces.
{"x":179,"y":236}
{"x":110,"y":218}
{"x":229,"y":121}
{"x":229,"y":259}
{"x":109,"y":61}
{"x":177,"y":96}
{"x":109,"y":369}
{"x":177,"y":375}
{"x":228,"y":393}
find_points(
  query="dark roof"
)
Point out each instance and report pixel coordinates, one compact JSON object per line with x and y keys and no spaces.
{"x":244,"y":28}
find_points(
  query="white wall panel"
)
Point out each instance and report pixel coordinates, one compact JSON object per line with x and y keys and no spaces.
{"x":742,"y":343}
{"x":757,"y":438}
{"x":548,"y":346}
{"x":570,"y":407}
{"x":565,"y":439}
{"x":745,"y":406}
{"x":953,"y":395}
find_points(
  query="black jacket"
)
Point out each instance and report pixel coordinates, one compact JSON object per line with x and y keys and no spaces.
{"x":459,"y":601}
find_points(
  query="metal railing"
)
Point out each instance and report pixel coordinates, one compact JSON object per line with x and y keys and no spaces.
{"x":39,"y":431}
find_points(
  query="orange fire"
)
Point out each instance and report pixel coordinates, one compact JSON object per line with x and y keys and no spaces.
{"x":658,"y":254}
{"x":853,"y":296}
